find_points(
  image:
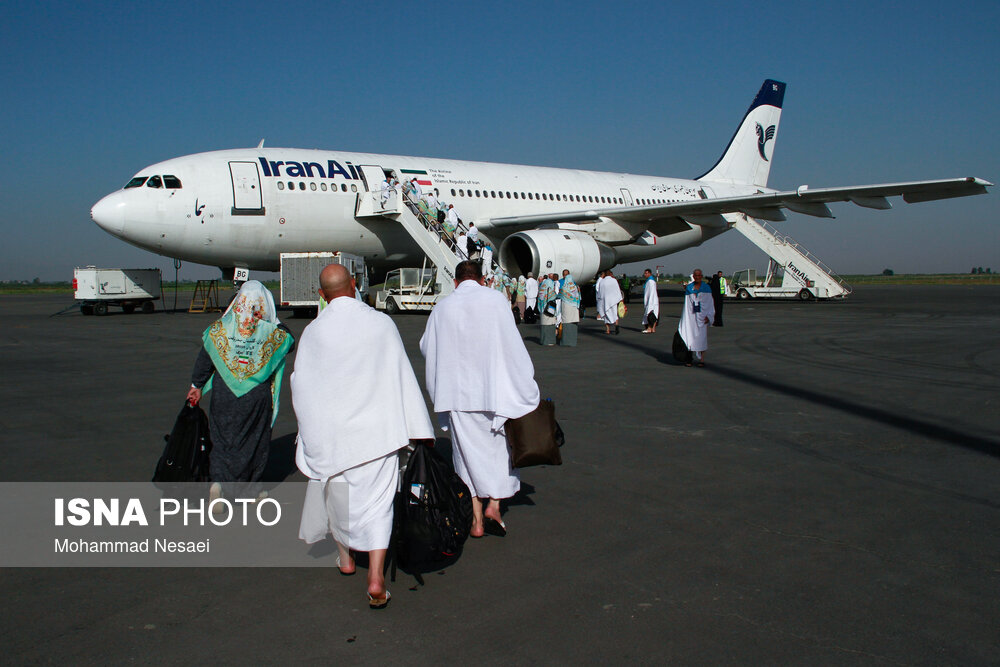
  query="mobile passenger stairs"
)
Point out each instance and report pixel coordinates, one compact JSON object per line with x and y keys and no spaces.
{"x":804,"y":275}
{"x":435,"y":242}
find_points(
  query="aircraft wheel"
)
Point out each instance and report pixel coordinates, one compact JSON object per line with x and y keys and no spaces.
{"x":805,"y":295}
{"x":100,"y":309}
{"x":743,"y":294}
{"x":128,"y":309}
{"x":87,"y":309}
{"x":148,"y":307}
{"x":391,"y":307}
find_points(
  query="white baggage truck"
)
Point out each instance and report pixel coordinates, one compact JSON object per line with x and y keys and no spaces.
{"x":788,"y":282}
{"x":300,"y":276}
{"x":97,"y":289}
{"x":409,"y":289}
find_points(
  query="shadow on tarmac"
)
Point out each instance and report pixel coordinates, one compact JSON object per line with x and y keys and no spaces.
{"x":904,"y":423}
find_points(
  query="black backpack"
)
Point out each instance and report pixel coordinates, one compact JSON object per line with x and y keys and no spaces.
{"x":185,"y":457}
{"x":433,"y":513}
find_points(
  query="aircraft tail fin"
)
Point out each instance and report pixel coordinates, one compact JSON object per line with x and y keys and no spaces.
{"x":747,"y":158}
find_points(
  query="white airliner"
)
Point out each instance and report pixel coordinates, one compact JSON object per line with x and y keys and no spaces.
{"x":243,"y":207}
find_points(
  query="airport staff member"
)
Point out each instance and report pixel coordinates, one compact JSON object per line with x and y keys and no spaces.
{"x":357,"y":402}
{"x":479,"y":374}
{"x":718,"y":284}
{"x":243,"y":359}
{"x":699,"y":311}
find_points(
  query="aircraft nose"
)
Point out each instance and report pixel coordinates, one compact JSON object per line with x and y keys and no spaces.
{"x":109,"y":214}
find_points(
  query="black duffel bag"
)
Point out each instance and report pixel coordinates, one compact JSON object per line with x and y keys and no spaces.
{"x":185,"y":456}
{"x":681,"y":352}
{"x":433,"y":513}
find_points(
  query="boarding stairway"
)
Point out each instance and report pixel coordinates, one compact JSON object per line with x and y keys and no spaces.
{"x":802,"y":270}
{"x":435,"y":242}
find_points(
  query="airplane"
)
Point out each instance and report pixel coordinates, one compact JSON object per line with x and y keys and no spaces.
{"x":243,"y":207}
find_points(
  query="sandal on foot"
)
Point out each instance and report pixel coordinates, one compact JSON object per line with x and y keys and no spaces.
{"x":379,"y":603}
{"x":494,"y":527}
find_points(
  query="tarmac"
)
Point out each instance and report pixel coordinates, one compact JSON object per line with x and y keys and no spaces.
{"x":823,"y":492}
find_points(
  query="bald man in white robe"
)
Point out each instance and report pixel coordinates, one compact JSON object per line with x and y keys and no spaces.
{"x":358,"y":403}
{"x":479,"y":374}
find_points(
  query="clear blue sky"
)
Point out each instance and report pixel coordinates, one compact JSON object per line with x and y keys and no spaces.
{"x":877,"y":92}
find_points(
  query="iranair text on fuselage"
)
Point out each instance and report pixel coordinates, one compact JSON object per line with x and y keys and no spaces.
{"x":304,"y":169}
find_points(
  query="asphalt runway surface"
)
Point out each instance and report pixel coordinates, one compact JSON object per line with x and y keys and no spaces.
{"x":823,"y":492}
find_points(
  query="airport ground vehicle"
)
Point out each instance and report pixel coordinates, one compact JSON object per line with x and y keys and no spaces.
{"x":409,"y":289}
{"x":300,"y":276}
{"x":784,"y":283}
{"x":97,"y":289}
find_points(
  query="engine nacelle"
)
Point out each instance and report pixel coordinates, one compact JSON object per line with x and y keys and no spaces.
{"x":552,"y":250}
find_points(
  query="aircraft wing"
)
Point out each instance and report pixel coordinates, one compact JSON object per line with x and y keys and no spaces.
{"x":764,"y":205}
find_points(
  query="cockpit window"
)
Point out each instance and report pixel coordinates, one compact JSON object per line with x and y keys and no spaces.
{"x":154,"y":182}
{"x":171,"y":182}
{"x":136,"y":182}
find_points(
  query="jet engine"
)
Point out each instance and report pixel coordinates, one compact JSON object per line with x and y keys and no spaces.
{"x":552,"y":250}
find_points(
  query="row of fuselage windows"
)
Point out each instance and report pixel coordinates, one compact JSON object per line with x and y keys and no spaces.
{"x":545,"y":196}
{"x":165,"y":181}
{"x":314,"y":187}
{"x":492,"y":194}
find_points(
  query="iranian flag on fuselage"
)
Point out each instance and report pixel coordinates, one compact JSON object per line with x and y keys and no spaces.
{"x":422,"y":178}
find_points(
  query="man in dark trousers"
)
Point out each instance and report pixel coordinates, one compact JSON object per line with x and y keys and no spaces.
{"x":718,"y":284}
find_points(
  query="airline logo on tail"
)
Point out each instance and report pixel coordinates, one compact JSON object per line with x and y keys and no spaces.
{"x":764,"y":136}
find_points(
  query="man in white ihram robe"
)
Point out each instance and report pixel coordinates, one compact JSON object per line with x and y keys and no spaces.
{"x":357,"y":402}
{"x":699,"y":311}
{"x":611,"y":296}
{"x":530,"y":292}
{"x":479,"y":374}
{"x":650,"y":303}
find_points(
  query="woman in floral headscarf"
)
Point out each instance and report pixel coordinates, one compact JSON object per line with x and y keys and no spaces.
{"x":246,"y":349}
{"x":569,"y":294}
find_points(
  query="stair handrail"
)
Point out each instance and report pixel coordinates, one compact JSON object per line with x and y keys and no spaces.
{"x":785,"y":239}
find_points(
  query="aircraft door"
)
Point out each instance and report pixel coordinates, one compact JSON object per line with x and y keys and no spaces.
{"x":247,"y":198}
{"x":372,"y":175}
{"x":627,"y":196}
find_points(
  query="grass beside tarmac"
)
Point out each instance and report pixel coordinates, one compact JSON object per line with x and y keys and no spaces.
{"x":925,"y":279}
